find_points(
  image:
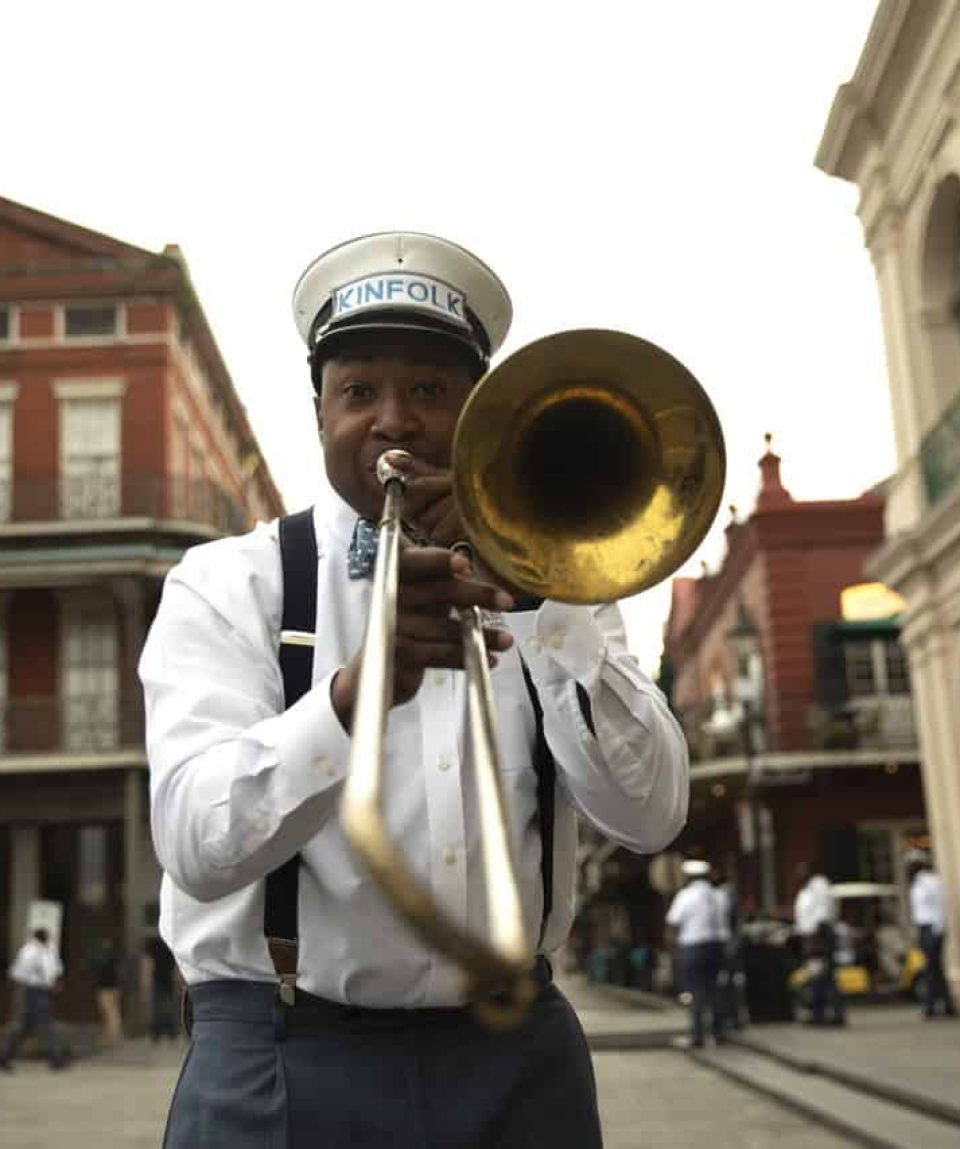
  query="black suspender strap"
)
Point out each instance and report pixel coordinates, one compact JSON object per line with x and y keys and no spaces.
{"x":298,"y":554}
{"x":545,"y":767}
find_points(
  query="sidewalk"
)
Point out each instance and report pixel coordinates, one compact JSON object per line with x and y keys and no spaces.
{"x":889,"y":1079}
{"x":615,"y":1018}
{"x":886,"y":1050}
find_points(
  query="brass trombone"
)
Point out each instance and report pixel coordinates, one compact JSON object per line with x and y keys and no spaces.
{"x":587,"y":467}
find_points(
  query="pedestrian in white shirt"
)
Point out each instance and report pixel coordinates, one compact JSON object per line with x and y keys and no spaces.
{"x":377,"y":1047}
{"x":815,"y":916}
{"x":696,"y":916}
{"x":929,"y":918}
{"x":36,"y":970}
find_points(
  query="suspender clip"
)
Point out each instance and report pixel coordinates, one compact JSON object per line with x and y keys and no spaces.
{"x":283,"y":953}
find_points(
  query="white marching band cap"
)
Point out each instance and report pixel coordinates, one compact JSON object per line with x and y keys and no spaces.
{"x":694,"y":868}
{"x":405,"y":281}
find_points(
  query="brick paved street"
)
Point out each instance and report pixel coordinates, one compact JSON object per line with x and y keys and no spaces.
{"x":650,"y":1099}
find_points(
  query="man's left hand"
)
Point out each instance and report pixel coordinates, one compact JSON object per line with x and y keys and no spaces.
{"x":429,"y":506}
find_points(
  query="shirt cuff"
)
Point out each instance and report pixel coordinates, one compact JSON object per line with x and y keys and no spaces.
{"x":559,"y":642}
{"x":311,"y":747}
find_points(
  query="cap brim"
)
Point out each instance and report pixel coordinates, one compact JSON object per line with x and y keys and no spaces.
{"x":336,"y":338}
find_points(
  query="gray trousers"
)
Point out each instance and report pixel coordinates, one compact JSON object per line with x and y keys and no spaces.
{"x":326,"y":1076}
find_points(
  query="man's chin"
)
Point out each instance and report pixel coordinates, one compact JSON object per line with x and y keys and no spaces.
{"x":364,"y":495}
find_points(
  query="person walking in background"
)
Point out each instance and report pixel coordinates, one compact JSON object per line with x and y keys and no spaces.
{"x":695,"y":916}
{"x":106,"y":978}
{"x":929,"y":918}
{"x":815,"y":915}
{"x":36,"y":970}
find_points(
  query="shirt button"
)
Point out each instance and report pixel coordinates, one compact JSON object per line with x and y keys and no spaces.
{"x":438,"y":677}
{"x":324,"y":765}
{"x":450,"y":856}
{"x":259,"y":824}
{"x":535,"y":645}
{"x":443,"y":764}
{"x":556,"y":639}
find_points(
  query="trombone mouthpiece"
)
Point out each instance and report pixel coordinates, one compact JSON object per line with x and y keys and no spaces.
{"x":393,"y":465}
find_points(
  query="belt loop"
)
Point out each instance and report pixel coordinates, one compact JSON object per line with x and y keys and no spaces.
{"x":186,"y":1012}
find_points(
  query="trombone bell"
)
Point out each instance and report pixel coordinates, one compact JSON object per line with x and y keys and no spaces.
{"x":588,"y":466}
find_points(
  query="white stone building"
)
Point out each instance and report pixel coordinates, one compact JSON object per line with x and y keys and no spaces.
{"x":894,"y":131}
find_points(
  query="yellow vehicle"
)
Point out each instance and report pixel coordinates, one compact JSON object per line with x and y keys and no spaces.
{"x":881,"y":957}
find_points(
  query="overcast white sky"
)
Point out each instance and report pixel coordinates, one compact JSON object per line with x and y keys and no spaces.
{"x":645,"y":166}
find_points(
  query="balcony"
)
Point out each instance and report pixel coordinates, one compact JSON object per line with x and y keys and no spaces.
{"x":84,"y":724}
{"x":940,"y":454}
{"x":881,"y":724}
{"x":99,"y":498}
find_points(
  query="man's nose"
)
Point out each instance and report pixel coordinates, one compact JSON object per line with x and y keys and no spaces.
{"x":395,"y":418}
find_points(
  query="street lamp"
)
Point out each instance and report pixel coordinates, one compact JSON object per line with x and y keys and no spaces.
{"x":744,"y":640}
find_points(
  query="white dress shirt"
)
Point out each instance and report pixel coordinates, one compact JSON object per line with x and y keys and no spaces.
{"x":926,"y":901}
{"x":238,"y":784}
{"x":695,"y":913}
{"x":814,"y":905}
{"x":36,"y":965}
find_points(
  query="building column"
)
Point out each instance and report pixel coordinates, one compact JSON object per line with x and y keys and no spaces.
{"x":24,"y":880}
{"x":133,"y":907}
{"x":936,"y":691}
{"x":905,"y":500}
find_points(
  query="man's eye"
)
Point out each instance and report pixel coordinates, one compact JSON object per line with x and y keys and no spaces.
{"x":430,"y":389}
{"x":357,"y":390}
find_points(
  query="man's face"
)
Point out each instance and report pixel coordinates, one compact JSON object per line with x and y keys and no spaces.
{"x":378,"y":396}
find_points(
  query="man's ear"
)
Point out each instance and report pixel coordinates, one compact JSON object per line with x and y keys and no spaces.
{"x":318,"y":411}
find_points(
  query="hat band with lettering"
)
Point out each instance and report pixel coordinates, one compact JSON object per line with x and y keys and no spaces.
{"x":393,"y":301}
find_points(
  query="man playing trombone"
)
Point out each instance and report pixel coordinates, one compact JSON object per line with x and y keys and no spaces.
{"x":319,"y":1018}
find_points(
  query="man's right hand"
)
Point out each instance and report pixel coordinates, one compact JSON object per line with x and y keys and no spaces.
{"x":433,"y":581}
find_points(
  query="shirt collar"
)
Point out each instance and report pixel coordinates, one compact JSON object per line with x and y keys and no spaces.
{"x":334,"y":516}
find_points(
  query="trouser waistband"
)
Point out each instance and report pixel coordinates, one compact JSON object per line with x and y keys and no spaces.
{"x":235,"y":999}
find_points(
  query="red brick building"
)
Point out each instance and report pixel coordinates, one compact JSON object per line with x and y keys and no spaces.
{"x":122,"y":443}
{"x":799,"y":720}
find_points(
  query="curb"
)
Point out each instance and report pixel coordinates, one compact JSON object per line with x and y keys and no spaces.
{"x":856,"y":1079}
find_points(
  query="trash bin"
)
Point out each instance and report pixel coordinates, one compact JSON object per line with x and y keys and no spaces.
{"x":767,"y":963}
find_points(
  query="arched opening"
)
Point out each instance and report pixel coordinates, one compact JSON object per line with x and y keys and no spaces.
{"x":940,"y":297}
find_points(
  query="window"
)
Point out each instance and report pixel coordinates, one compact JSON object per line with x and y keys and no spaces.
{"x":876,"y":666}
{"x":89,"y":455}
{"x":861,"y":679}
{"x":7,"y":396}
{"x":83,"y":321}
{"x":89,"y":678}
{"x":898,"y":676}
{"x":5,"y":324}
{"x":92,"y":857}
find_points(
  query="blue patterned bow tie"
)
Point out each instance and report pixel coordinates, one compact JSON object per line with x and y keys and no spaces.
{"x":363,"y":549}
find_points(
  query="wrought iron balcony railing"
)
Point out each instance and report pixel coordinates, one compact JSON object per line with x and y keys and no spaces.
{"x":86,"y":498}
{"x":73,"y":724}
{"x":940,"y":454}
{"x":884,"y":723}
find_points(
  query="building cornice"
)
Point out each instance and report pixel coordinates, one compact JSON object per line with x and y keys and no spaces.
{"x":850,"y":131}
{"x":72,"y":763}
{"x":767,"y":767}
{"x":910,"y":554}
